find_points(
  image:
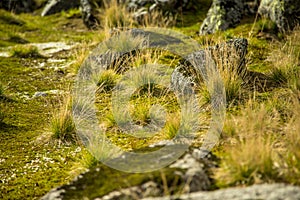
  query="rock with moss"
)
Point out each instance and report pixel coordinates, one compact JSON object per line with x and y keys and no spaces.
{"x":285,"y":13}
{"x":223,"y":14}
{"x":188,"y":174}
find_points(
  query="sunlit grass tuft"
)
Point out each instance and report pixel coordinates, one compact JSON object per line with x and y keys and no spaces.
{"x":249,"y":154}
{"x":290,"y":165}
{"x":285,"y":59}
{"x":115,"y":14}
{"x":62,"y":124}
{"x":107,"y":80}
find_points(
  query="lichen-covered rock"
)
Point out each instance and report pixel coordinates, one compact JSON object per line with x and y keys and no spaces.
{"x":264,"y":191}
{"x":222,"y":15}
{"x":188,"y":174}
{"x":89,"y":19}
{"x":285,"y":13}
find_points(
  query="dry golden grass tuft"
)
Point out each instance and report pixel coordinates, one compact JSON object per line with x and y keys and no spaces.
{"x":115,"y":14}
{"x":249,"y":146}
{"x":285,"y":59}
{"x":62,"y":124}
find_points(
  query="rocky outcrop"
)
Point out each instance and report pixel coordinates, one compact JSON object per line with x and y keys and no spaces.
{"x":89,"y":19}
{"x":284,"y":13}
{"x":264,"y":191}
{"x":187,"y":174}
{"x":55,"y":6}
{"x":222,"y":15}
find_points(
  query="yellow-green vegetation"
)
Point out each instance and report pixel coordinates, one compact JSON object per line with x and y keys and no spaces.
{"x":25,"y":52}
{"x":115,"y":15}
{"x":259,"y":143}
{"x":1,"y":89}
{"x":62,"y":123}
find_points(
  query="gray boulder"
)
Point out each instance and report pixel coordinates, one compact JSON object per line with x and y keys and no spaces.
{"x":89,"y":20}
{"x":188,"y":174}
{"x":55,"y":6}
{"x":255,"y":192}
{"x":222,"y":15}
{"x":285,"y":13}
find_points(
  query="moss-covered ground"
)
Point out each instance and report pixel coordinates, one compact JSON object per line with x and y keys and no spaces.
{"x":262,"y":121}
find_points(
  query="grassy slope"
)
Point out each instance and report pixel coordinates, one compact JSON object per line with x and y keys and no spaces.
{"x":30,"y":166}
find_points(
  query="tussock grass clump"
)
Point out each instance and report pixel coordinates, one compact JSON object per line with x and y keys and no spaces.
{"x":172,"y":126}
{"x":290,"y":163}
{"x":285,"y":60}
{"x":79,"y":57}
{"x":25,"y":51}
{"x":250,"y":155}
{"x":62,"y":124}
{"x":157,"y":19}
{"x":115,"y":14}
{"x":107,"y":80}
{"x":230,"y":69}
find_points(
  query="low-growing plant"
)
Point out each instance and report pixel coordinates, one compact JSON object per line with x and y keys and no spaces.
{"x":172,"y":126}
{"x":285,"y":59}
{"x":228,"y":68}
{"x":249,"y":154}
{"x":72,"y":13}
{"x":1,"y":89}
{"x":290,"y":165}
{"x":115,"y":14}
{"x":25,"y":51}
{"x":62,"y":124}
{"x":107,"y":80}
{"x":2,"y":115}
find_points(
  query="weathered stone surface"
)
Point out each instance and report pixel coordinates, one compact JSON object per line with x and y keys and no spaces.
{"x":147,"y":189}
{"x":222,"y":15}
{"x":285,"y":13}
{"x":55,"y":6}
{"x":190,"y":174}
{"x":258,"y":192}
{"x":89,"y":20}
{"x":54,"y":194}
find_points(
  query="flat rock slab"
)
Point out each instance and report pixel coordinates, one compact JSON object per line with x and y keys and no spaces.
{"x":46,"y":49}
{"x":255,"y":192}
